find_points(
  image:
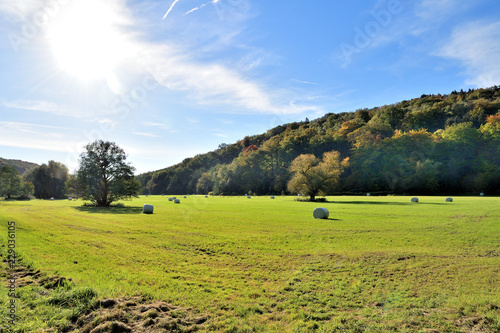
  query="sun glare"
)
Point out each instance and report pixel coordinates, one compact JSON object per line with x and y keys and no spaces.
{"x":85,"y":39}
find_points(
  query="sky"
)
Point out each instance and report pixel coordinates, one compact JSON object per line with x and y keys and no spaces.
{"x":167,"y":80}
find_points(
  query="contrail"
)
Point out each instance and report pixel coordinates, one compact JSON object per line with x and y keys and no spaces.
{"x":6,"y":125}
{"x":195,"y":9}
{"x":170,"y":9}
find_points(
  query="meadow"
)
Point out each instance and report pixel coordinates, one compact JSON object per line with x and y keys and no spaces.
{"x":260,"y":265}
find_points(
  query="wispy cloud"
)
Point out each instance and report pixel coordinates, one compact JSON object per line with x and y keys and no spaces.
{"x":215,"y":84}
{"x":477,"y":46}
{"x":47,"y":107}
{"x":34,"y":136}
{"x":175,"y":67}
{"x":44,"y":130}
{"x":304,"y":82}
{"x":157,"y":125}
{"x":5,"y":124}
{"x":441,"y":9}
{"x":149,"y":135}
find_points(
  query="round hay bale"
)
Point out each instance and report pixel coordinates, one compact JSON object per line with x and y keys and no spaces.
{"x":272,"y":197}
{"x":299,"y":195}
{"x":147,"y":209}
{"x":185,"y":197}
{"x":481,"y":194}
{"x":449,"y":199}
{"x":368,"y":194}
{"x":248,"y":197}
{"x":170,"y":199}
{"x":415,"y":199}
{"x":52,"y":198}
{"x":321,"y":213}
{"x":206,"y":196}
{"x":177,"y":201}
{"x":70,"y":198}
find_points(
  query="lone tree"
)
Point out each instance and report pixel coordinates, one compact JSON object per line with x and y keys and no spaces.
{"x":105,"y":175}
{"x":312,"y":176}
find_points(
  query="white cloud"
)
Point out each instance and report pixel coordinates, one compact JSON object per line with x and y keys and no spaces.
{"x":441,"y":9}
{"x":47,"y":107}
{"x":304,"y":82}
{"x":148,"y":135}
{"x":34,"y":136}
{"x":20,"y":10}
{"x":173,"y":65}
{"x":214,"y":83}
{"x":157,"y":125}
{"x":477,"y":46}
{"x":42,"y":130}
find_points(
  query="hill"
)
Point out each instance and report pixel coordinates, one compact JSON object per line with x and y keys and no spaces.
{"x":434,"y":144}
{"x":21,"y":166}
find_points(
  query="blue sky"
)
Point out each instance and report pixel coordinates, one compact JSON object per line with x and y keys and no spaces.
{"x":169,"y":79}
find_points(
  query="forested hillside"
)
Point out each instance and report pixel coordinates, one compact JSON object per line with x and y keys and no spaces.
{"x":21,"y":166}
{"x":435,"y":144}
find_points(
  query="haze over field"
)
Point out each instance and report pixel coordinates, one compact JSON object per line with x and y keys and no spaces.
{"x":170,"y":79}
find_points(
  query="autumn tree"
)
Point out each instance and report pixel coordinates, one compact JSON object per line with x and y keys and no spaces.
{"x":313,"y":176}
{"x":105,"y":174}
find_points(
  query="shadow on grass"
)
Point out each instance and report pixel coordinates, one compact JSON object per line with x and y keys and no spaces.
{"x":109,"y":210}
{"x":382,"y":203}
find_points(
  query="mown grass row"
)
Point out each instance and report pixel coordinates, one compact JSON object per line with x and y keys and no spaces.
{"x":378,"y":263}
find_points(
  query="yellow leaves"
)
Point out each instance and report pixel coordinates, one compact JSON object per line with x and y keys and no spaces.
{"x":345,"y":162}
{"x":492,"y":127}
{"x":312,"y":175}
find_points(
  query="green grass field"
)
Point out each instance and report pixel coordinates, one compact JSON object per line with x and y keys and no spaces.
{"x":260,"y":265}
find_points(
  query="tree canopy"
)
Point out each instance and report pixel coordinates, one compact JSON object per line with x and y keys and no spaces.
{"x":104,"y":175}
{"x":435,"y":144}
{"x":49,"y":180}
{"x":12,"y":185}
{"x":312,"y":176}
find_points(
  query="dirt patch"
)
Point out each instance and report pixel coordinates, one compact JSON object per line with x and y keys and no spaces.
{"x":26,"y":276}
{"x":476,"y":324}
{"x":120,"y":315}
{"x":136,"y":314}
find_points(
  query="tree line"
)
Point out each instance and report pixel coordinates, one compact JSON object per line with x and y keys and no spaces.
{"x":435,"y":144}
{"x":103,"y":177}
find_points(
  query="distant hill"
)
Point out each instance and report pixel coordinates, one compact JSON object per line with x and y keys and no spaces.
{"x":434,"y":144}
{"x":20,"y":166}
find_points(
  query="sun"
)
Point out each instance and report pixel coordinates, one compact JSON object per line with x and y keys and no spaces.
{"x":85,"y":39}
